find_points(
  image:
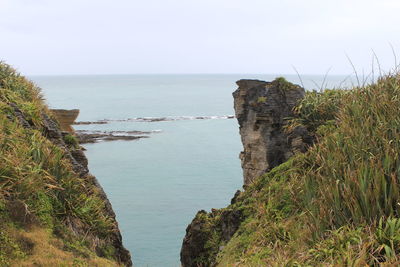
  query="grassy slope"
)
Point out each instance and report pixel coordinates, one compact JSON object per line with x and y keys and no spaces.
{"x":337,"y":204}
{"x":39,"y":192}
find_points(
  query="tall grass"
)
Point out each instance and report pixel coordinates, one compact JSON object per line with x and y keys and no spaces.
{"x":339,"y":203}
{"x":354,"y":176}
{"x":317,"y":109}
{"x":37,"y":173}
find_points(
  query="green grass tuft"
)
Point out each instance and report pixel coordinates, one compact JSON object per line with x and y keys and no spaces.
{"x":71,"y":140}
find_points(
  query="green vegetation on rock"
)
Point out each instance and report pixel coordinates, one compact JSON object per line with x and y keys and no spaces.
{"x":335,"y":205}
{"x":282,"y":83}
{"x":46,"y":207}
{"x":71,"y":140}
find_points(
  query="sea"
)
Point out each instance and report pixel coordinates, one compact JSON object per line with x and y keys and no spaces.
{"x":157,"y":184}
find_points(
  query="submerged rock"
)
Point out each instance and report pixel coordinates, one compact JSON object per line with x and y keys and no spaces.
{"x":156,"y":119}
{"x":85,"y":137}
{"x":89,"y":122}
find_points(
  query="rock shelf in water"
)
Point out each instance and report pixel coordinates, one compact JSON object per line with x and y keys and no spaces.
{"x":156,"y":119}
{"x":86,"y":137}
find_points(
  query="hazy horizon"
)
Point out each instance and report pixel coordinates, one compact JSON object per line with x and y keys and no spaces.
{"x":149,"y":74}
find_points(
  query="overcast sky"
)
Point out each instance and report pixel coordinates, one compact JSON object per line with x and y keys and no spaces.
{"x":197,"y":36}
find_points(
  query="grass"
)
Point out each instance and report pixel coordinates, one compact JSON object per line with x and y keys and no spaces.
{"x":46,"y":250}
{"x":283,"y":84}
{"x":71,"y":140}
{"x":318,"y":109}
{"x":37,"y":175}
{"x":335,"y":205}
{"x":355,"y":168}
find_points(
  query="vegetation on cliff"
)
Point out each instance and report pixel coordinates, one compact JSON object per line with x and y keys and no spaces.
{"x":52,"y":212}
{"x":337,"y":204}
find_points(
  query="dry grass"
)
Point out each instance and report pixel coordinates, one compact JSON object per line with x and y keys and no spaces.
{"x":46,"y":250}
{"x":37,"y":175}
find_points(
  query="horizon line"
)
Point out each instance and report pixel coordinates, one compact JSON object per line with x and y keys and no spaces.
{"x":200,"y":73}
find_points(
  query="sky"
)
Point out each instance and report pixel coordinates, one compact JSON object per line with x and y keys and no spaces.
{"x":62,"y":37}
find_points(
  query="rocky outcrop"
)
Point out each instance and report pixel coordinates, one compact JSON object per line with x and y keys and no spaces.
{"x":197,"y":250}
{"x":66,"y":117}
{"x":262,"y":109}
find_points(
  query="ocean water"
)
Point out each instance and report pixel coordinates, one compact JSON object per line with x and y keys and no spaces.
{"x":157,"y":184}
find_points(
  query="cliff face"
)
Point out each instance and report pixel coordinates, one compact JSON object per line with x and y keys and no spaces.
{"x":334,"y":205}
{"x":53,"y":212}
{"x":262,"y":109}
{"x":79,"y":163}
{"x":66,"y":118}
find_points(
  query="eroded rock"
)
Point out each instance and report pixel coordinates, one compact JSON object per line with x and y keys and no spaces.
{"x":66,"y":118}
{"x":262,"y":109}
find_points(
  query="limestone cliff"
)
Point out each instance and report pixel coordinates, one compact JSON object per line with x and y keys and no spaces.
{"x":334,"y":205}
{"x":66,"y":117}
{"x":262,"y":109}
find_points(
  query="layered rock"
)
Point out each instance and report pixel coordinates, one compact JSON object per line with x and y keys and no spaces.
{"x":262,"y":109}
{"x":66,"y":117}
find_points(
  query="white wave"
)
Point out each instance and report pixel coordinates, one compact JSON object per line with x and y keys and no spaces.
{"x":161,"y":119}
{"x":178,"y":118}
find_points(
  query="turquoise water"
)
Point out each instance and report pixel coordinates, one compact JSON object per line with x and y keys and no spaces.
{"x":156,"y":185}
